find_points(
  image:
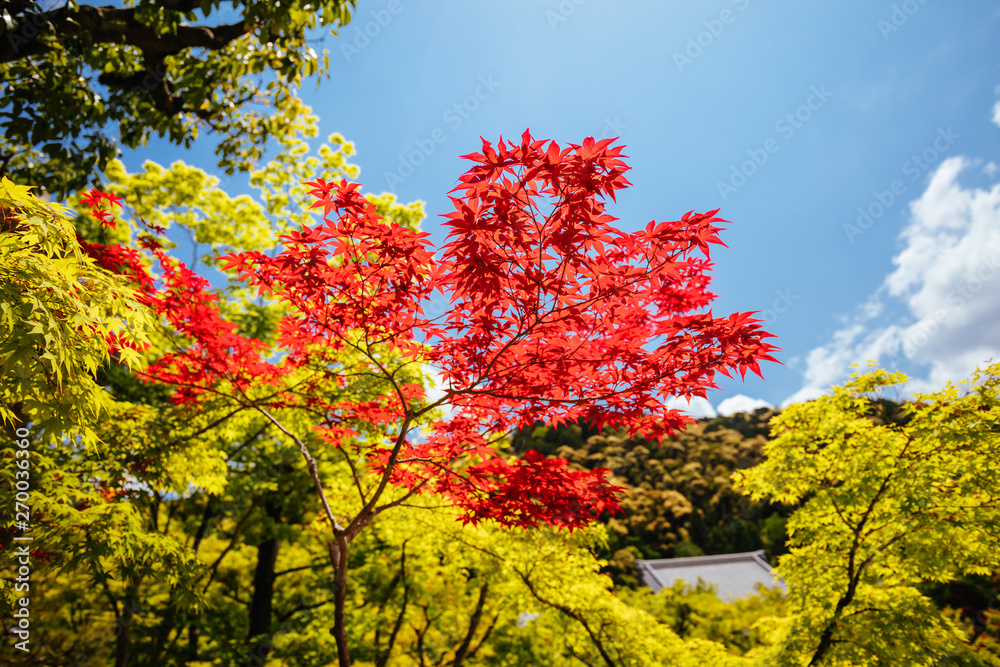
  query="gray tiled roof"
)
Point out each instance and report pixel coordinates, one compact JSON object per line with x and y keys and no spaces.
{"x":735,"y":575}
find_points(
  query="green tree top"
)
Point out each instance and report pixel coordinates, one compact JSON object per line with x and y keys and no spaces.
{"x":887,"y":502}
{"x":77,"y":81}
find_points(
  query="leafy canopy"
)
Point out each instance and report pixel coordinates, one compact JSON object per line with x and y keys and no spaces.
{"x":886,"y":501}
{"x":58,"y":313}
{"x":77,"y":81}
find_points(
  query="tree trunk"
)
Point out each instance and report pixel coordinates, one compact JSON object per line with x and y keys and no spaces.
{"x":263,"y":586}
{"x":825,"y":642}
{"x":164,"y":629}
{"x":338,"y":557}
{"x":123,"y":629}
{"x":193,"y":633}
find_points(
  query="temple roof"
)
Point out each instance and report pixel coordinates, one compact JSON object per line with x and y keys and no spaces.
{"x":734,"y":575}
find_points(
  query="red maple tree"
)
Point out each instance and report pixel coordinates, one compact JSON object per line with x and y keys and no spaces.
{"x":553,"y":315}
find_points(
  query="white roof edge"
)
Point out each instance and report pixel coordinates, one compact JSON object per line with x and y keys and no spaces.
{"x":645,"y":565}
{"x":757,"y":556}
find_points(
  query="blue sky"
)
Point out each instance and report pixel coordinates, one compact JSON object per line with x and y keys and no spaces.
{"x":789,"y":117}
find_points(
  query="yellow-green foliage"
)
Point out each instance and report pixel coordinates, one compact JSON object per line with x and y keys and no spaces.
{"x":424,"y":586}
{"x":695,"y":611}
{"x":887,"y":501}
{"x":56,"y":308}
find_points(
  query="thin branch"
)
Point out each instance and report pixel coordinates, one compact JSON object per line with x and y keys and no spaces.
{"x":383,"y":660}
{"x":482,"y":640}
{"x":312,"y":465}
{"x":368,"y":511}
{"x":571,"y":614}
{"x":293,"y":569}
{"x":232,"y":542}
{"x":354,"y":475}
{"x":303,"y":607}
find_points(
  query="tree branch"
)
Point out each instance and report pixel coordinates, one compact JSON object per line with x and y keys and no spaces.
{"x":232,"y":542}
{"x":462,"y":653}
{"x":111,"y":25}
{"x":311,"y":464}
{"x":383,"y":660}
{"x":571,"y":614}
{"x":854,"y":573}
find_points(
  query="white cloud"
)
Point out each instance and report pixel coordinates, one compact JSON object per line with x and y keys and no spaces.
{"x":946,"y":278}
{"x":697,"y":407}
{"x":741,"y":403}
{"x":996,"y":113}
